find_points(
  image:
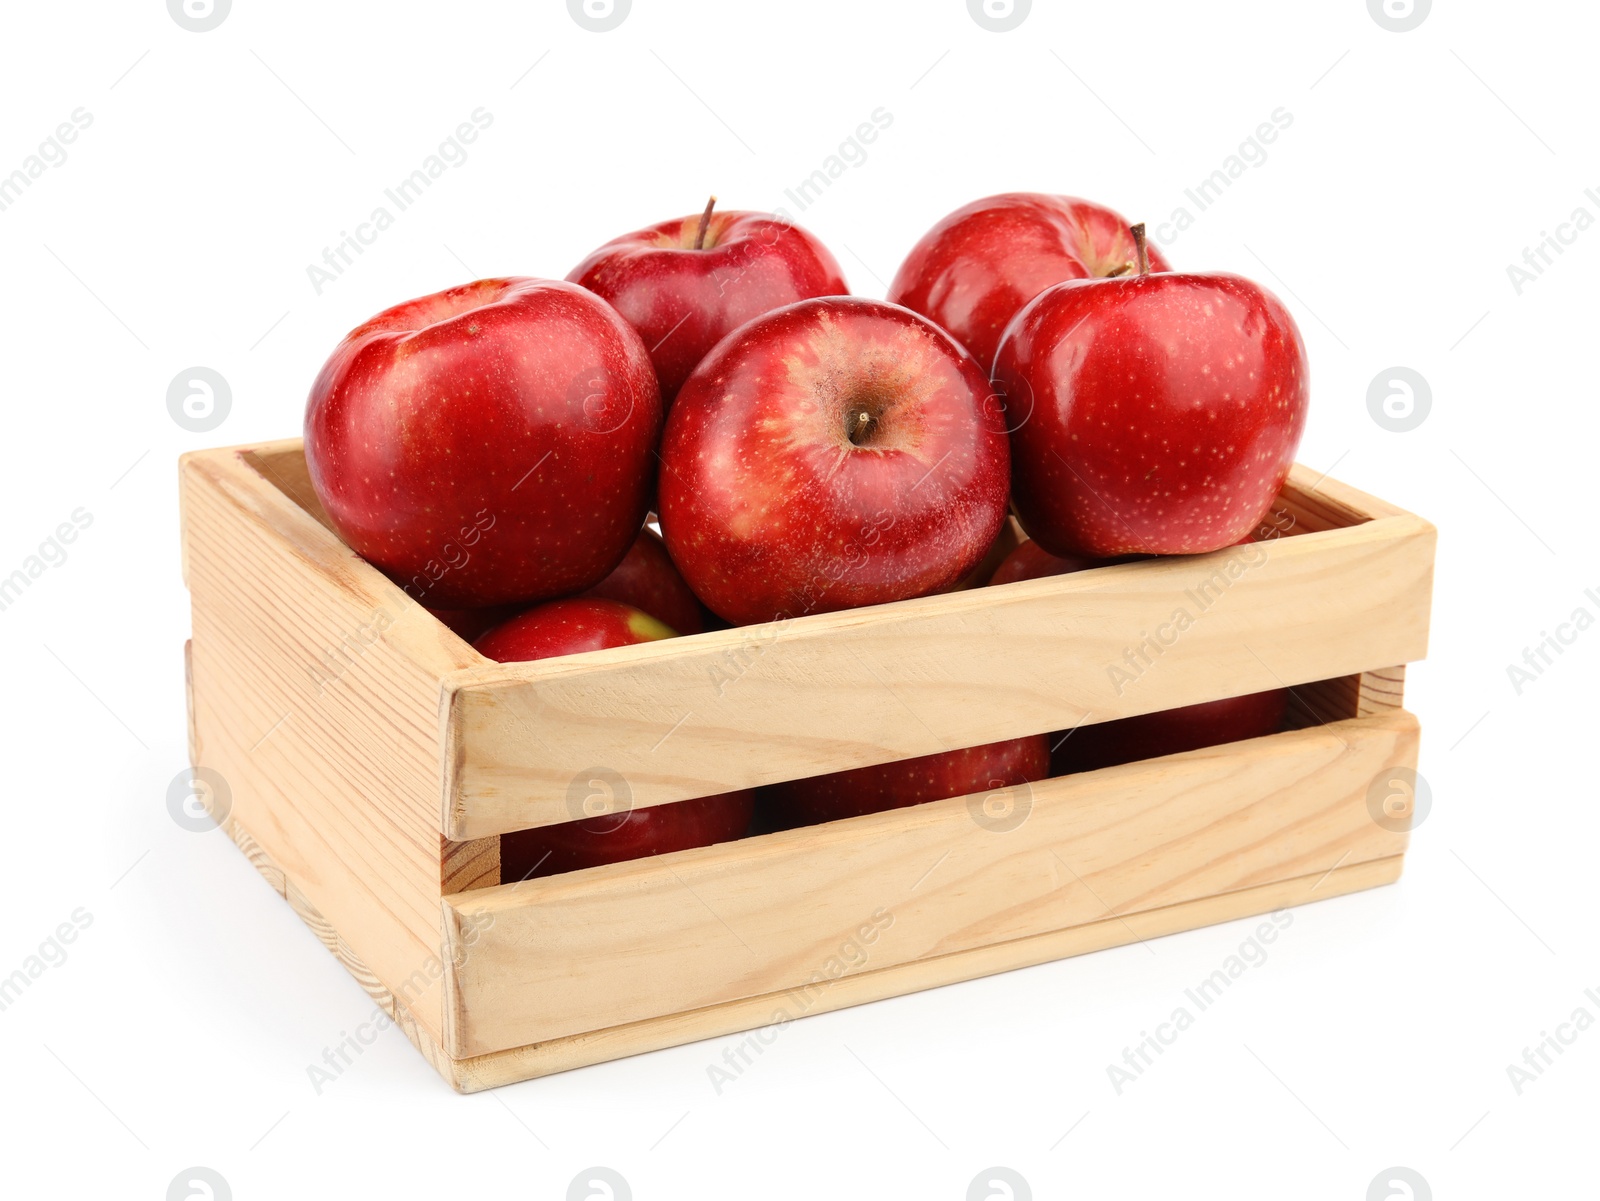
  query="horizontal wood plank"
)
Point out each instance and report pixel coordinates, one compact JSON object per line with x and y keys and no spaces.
{"x":561,"y":956}
{"x":736,"y":708}
{"x":715,"y":1021}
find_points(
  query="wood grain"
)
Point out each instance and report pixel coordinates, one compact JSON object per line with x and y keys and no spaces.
{"x":563,"y":1054}
{"x":315,"y":695}
{"x":580,"y":1050}
{"x":718,"y":924}
{"x":736,"y":708}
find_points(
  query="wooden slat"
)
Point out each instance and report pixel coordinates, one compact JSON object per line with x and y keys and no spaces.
{"x":736,"y":708}
{"x":1361,"y":695}
{"x":315,"y":695}
{"x":856,"y":988}
{"x":719,"y":924}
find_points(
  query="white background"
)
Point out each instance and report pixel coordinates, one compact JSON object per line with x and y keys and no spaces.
{"x":178,"y":232}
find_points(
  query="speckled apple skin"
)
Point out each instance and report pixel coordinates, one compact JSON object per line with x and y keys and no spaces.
{"x":973,"y":271}
{"x":489,"y":444}
{"x":907,"y":782}
{"x":684,"y":301}
{"x":1154,"y":414}
{"x":647,"y":579}
{"x":768,"y":508}
{"x":569,"y":627}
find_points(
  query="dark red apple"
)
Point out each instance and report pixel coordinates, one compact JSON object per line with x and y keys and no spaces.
{"x":975,"y":269}
{"x":629,"y":834}
{"x":833,"y":453}
{"x":687,"y":283}
{"x":569,"y":627}
{"x":469,"y":623}
{"x":907,"y":782}
{"x":492,"y":443}
{"x":1030,"y":561}
{"x":1168,"y":732}
{"x":646,"y":579}
{"x":1162,"y":412}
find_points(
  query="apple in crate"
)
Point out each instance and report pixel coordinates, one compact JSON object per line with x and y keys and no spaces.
{"x":1162,"y":411}
{"x":685,"y":284}
{"x":489,"y":444}
{"x":568,"y":627}
{"x":834,"y":453}
{"x":646,"y":579}
{"x":1168,"y":732}
{"x":1030,"y":561}
{"x":906,"y":782}
{"x":975,"y":269}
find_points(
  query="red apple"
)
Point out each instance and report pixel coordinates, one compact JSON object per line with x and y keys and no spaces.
{"x":1030,"y":561}
{"x":1166,"y":733}
{"x":1162,"y":412}
{"x":469,"y":623}
{"x":833,"y":453}
{"x":974,"y":270}
{"x":491,"y":443}
{"x":629,"y":834}
{"x":569,"y":627}
{"x":907,"y":782}
{"x":646,"y":579}
{"x":685,"y":284}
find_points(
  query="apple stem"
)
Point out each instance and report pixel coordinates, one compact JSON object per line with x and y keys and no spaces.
{"x":705,"y":221}
{"x":1139,"y":248}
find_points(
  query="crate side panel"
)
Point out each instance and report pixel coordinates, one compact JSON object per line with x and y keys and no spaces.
{"x":721,"y":923}
{"x":763,"y":704}
{"x":863,"y":985}
{"x":315,"y":694}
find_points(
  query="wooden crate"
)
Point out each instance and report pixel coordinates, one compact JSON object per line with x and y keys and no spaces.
{"x":369,"y":759}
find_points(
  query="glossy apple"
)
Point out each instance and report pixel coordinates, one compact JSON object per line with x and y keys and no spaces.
{"x":569,"y":627}
{"x":1168,"y":732}
{"x":833,"y":453}
{"x":488,"y":444}
{"x":646,"y":579}
{"x":687,"y":283}
{"x":975,"y":269}
{"x":630,"y":834}
{"x":1162,"y":412}
{"x":907,"y":782}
